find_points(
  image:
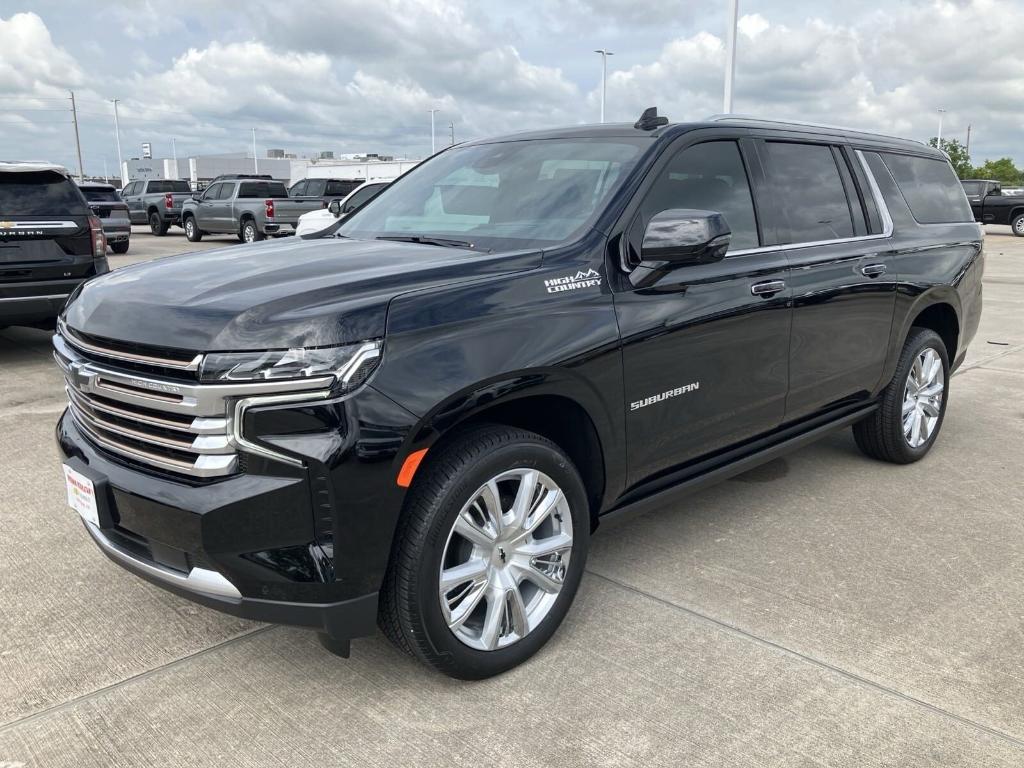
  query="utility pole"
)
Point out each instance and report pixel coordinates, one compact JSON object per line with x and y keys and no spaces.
{"x":433,"y":147}
{"x":451,"y":132}
{"x":78,"y":142}
{"x":255,"y":161}
{"x":938,"y":142}
{"x":174,"y":156}
{"x":604,"y":76}
{"x":117,"y":139}
{"x":967,"y":149}
{"x":730,"y":55}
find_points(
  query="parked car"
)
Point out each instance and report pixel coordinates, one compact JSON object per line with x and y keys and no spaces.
{"x":991,"y":206}
{"x":50,"y":242}
{"x":418,"y":420}
{"x":156,"y":202}
{"x":324,"y":190}
{"x":250,"y":208}
{"x":112,"y":211}
{"x":336,"y":210}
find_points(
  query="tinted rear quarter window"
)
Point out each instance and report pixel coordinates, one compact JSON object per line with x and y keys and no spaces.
{"x":930,"y":187}
{"x":806,"y":179}
{"x":42,"y":193}
{"x":340,"y":188}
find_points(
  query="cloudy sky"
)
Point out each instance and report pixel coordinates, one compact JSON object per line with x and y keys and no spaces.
{"x":361,"y":75}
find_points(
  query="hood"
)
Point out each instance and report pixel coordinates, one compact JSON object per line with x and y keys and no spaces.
{"x":280,"y":294}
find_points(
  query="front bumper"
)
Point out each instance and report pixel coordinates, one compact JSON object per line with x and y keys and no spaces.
{"x":306,"y":546}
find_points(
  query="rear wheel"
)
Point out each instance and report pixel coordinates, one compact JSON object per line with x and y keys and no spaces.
{"x":157,"y":225}
{"x":192,"y":232}
{"x":912,"y":407}
{"x":1018,"y":225}
{"x":250,"y":233}
{"x":489,"y":554}
{"x":119,"y":247}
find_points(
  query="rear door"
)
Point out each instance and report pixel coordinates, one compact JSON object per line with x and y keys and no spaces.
{"x":44,"y":228}
{"x":705,"y":349}
{"x":843,"y":272}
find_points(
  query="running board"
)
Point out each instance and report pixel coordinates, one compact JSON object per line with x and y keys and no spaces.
{"x":694,"y":478}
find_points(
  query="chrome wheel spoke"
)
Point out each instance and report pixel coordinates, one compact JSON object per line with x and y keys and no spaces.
{"x":930,"y":408}
{"x":506,"y":558}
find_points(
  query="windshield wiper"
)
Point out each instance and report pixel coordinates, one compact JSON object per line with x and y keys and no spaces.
{"x":444,"y":242}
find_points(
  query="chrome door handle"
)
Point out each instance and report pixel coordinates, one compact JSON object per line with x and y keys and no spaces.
{"x":872,"y":270}
{"x":769,"y":288}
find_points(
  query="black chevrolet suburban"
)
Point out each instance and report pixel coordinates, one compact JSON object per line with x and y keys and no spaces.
{"x":50,"y":241}
{"x":417,"y":421}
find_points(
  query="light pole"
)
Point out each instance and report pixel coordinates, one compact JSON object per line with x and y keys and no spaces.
{"x":174,"y":156}
{"x":433,"y":147}
{"x":117,"y":139}
{"x":255,"y":162}
{"x":604,"y":76}
{"x":938,"y":141}
{"x":730,"y":55}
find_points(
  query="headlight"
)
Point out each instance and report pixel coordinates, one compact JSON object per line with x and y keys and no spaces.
{"x":350,"y":364}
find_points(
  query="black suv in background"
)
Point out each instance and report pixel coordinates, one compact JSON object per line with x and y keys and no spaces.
{"x":418,"y":420}
{"x":112,"y":211}
{"x":50,"y":241}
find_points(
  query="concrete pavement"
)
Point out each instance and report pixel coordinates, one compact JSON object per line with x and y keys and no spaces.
{"x":822,"y":609}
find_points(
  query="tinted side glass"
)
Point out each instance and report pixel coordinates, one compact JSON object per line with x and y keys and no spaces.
{"x":806,"y":179}
{"x":298,"y":189}
{"x":227,"y":189}
{"x":972,"y":187}
{"x":930,"y":187}
{"x":213,"y":192}
{"x":340,"y":188}
{"x":42,"y":193}
{"x":710,"y":177}
{"x":363,"y":195}
{"x":315,"y":188}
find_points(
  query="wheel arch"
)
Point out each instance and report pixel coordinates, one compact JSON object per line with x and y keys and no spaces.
{"x":942,"y":318}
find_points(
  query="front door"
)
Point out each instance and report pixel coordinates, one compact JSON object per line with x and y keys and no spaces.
{"x":843,"y":277}
{"x":706,"y":348}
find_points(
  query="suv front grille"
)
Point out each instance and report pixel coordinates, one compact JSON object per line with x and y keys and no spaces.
{"x":167,"y":422}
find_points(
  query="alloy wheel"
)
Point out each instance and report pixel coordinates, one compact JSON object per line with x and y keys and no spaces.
{"x":505,"y":559}
{"x":922,"y":397}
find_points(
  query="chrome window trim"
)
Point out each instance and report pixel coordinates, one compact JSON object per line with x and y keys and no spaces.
{"x":33,"y":298}
{"x":40,"y":225}
{"x":199,"y":580}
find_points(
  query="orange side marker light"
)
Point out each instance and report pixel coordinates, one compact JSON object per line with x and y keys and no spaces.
{"x":409,"y":467}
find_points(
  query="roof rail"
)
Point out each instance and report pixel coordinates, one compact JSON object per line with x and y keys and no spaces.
{"x":774,"y":121}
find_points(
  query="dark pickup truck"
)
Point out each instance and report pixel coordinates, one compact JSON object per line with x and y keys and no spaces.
{"x":156,"y":202}
{"x":418,"y":420}
{"x":991,"y":206}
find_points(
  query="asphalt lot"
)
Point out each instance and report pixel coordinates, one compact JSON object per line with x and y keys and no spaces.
{"x":822,"y":609}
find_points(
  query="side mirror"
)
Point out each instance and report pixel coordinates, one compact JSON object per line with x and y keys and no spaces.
{"x":682,"y":236}
{"x":335,"y":207}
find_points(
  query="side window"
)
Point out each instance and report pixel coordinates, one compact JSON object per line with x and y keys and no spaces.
{"x":806,"y":180}
{"x":227,"y":189}
{"x":298,"y":189}
{"x":212,"y":192}
{"x":127,"y":190}
{"x":930,"y":187}
{"x":315,"y":188}
{"x":361,"y":196}
{"x":710,"y":177}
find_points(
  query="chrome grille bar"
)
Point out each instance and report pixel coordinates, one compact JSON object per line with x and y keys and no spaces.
{"x":93,"y":348}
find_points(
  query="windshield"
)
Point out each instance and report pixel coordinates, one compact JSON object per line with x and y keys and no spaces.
{"x":39,"y":193}
{"x":502,"y":196}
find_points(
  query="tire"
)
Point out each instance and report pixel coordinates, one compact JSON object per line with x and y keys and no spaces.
{"x":411,"y":614}
{"x":884,"y":434}
{"x":192,"y":231}
{"x":157,"y":225}
{"x":1018,"y":225}
{"x":249,"y":232}
{"x":120,"y":247}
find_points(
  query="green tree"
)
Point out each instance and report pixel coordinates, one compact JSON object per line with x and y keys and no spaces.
{"x":1002,"y":170}
{"x":958,"y":156}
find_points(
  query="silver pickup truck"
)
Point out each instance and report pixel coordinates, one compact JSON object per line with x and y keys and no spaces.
{"x":156,"y":202}
{"x":250,"y":208}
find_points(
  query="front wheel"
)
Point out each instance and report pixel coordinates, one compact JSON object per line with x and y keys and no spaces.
{"x":1018,"y":225}
{"x":192,"y":232}
{"x":157,"y":225}
{"x":489,"y":554}
{"x":913,"y":405}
